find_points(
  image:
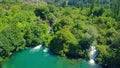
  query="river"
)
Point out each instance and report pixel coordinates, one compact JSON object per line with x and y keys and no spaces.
{"x":41,"y":57}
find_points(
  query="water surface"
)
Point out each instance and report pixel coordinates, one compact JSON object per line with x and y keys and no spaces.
{"x":38,"y":58}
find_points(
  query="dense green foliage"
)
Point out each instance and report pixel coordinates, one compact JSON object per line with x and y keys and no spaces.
{"x":19,"y":27}
{"x":75,"y":29}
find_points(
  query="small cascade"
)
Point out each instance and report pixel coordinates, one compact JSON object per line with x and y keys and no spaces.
{"x":50,"y":30}
{"x":45,"y":50}
{"x":92,"y":54}
{"x":92,"y":61}
{"x":37,"y":48}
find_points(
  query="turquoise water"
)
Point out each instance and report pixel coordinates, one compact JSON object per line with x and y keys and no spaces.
{"x":31,"y":58}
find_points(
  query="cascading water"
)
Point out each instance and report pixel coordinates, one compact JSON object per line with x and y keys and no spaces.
{"x":92,"y":54}
{"x":37,"y":48}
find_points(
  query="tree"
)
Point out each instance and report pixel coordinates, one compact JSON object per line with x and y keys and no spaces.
{"x":64,"y":22}
{"x":116,"y":42}
{"x":1,"y":25}
{"x":92,"y":2}
{"x":98,"y":11}
{"x":42,"y":12}
{"x":34,"y":33}
{"x":103,"y":56}
{"x":116,"y":8}
{"x":15,"y":38}
{"x":63,"y":43}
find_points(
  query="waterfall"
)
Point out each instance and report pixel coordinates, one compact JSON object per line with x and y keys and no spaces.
{"x":92,"y":54}
{"x":37,"y":48}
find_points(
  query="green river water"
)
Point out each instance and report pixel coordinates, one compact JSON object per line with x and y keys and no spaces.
{"x":37,"y":58}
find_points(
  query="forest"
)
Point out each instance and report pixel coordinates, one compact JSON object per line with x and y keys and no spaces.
{"x":76,"y":24}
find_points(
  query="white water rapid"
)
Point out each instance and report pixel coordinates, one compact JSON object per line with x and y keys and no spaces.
{"x":92,"y":54}
{"x":37,"y":48}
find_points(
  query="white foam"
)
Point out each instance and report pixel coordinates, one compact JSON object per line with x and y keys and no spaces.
{"x":92,"y":54}
{"x":45,"y":50}
{"x":91,"y":61}
{"x":37,"y":48}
